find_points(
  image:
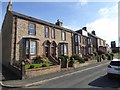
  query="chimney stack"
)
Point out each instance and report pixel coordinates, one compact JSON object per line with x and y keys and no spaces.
{"x":93,"y":32}
{"x":59,"y":23}
{"x":84,"y":28}
{"x":9,"y":7}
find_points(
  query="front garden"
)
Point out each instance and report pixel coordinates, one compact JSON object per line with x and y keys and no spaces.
{"x":40,"y":65}
{"x":73,"y":61}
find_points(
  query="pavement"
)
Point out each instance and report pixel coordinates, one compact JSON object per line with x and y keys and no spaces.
{"x":17,"y":83}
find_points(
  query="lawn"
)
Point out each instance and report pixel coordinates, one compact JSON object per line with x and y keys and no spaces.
{"x":44,"y":64}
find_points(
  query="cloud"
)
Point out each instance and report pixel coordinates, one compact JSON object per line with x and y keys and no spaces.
{"x":108,"y":12}
{"x":83,"y":2}
{"x":106,"y":26}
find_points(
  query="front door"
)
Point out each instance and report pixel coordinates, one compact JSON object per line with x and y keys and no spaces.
{"x":53,"y":51}
{"x":47,"y":51}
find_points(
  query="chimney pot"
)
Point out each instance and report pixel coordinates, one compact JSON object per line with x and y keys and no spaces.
{"x":59,"y":23}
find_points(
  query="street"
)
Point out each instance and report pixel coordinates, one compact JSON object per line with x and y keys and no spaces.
{"x":90,"y":78}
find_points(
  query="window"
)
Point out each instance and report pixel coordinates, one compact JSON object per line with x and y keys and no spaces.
{"x":53,"y":33}
{"x":30,"y":47}
{"x":79,"y":39}
{"x":47,"y":32}
{"x":64,"y":49}
{"x":76,"y":50}
{"x":84,"y":40}
{"x":31,"y":29}
{"x":89,"y":50}
{"x":76,"y":38}
{"x":79,"y":49}
{"x":89,"y":41}
{"x":63,"y":36}
{"x":99,"y":41}
{"x":27,"y":47}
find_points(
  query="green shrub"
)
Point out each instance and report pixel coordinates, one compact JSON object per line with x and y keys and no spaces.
{"x":75,"y":56}
{"x":62,"y":58}
{"x":69,"y":60}
{"x":112,"y":55}
{"x":76,"y":61}
{"x":44,"y":65}
{"x":85,"y":58}
{"x":81,"y":60}
{"x":66,"y":57}
{"x":94,"y":57}
{"x":27,"y":66}
{"x":95,"y":53}
{"x":103,"y":56}
{"x":38,"y":59}
{"x":78,"y":58}
{"x":109,"y":57}
{"x":31,"y":66}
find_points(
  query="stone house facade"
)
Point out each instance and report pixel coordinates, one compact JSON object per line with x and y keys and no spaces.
{"x":91,"y":43}
{"x":27,"y":37}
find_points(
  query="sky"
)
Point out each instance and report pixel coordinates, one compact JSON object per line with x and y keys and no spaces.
{"x":99,"y":16}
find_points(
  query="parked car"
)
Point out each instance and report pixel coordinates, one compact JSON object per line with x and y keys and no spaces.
{"x":114,"y":68}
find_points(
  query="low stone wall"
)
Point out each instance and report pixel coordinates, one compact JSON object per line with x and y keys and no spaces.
{"x":77,"y":64}
{"x":41,"y":71}
{"x":64,"y":64}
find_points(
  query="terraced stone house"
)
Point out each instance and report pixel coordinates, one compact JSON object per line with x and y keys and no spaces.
{"x":24,"y":36}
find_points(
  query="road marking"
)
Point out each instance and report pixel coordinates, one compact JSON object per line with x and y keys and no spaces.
{"x":40,"y":82}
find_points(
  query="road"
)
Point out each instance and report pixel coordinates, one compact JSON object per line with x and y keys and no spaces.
{"x":94,"y":77}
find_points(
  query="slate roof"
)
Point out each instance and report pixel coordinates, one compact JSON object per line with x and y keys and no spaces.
{"x":40,"y":21}
{"x":46,"y":23}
